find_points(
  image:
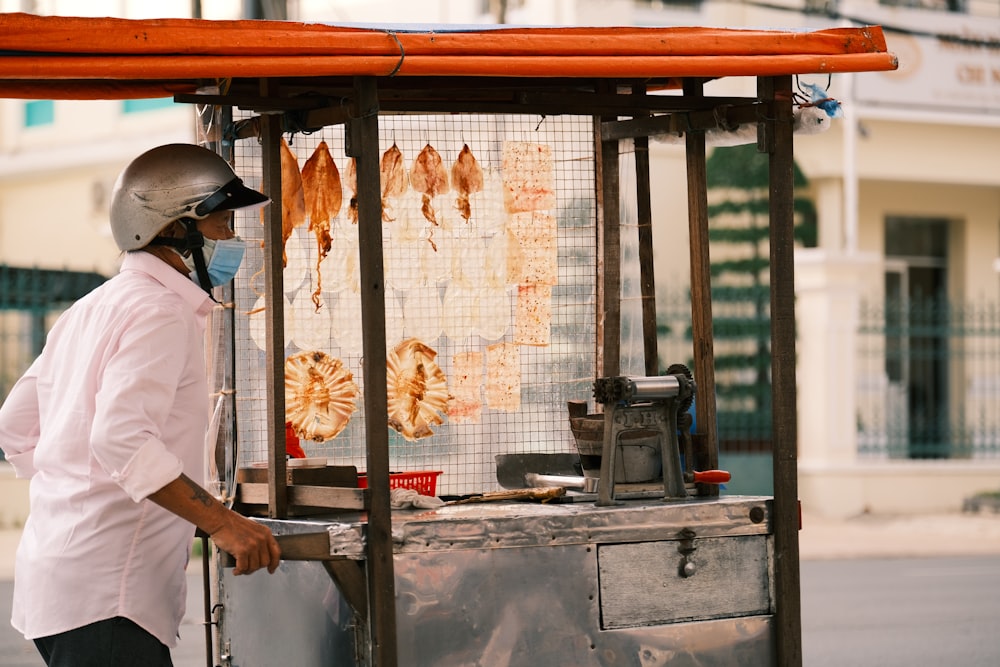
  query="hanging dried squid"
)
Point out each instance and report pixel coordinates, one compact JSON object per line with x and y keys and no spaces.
{"x":323,"y":198}
{"x":392,"y":176}
{"x":429,"y":177}
{"x":293,"y":206}
{"x":466,"y":179}
{"x":351,"y":185}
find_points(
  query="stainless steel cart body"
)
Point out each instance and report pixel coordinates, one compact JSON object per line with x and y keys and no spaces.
{"x":567,"y":584}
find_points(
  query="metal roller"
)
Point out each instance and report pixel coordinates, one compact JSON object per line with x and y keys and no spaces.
{"x":644,"y":388}
{"x":637,"y":389}
{"x":652,"y":403}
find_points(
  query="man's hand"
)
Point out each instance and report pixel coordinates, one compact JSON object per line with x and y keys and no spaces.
{"x":251,"y":544}
{"x":248,"y":542}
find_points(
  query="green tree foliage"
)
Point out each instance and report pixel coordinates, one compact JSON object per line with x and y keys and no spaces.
{"x":737,"y":179}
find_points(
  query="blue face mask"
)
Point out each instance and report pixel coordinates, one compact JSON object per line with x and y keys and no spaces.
{"x":223,"y":259}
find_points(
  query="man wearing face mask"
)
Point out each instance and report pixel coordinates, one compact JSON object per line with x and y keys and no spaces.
{"x":109,"y":424}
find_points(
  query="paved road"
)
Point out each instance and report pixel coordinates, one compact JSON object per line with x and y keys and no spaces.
{"x":867,"y":612}
{"x":912,"y":612}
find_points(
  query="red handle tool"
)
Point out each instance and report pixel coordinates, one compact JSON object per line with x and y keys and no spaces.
{"x":712,"y":476}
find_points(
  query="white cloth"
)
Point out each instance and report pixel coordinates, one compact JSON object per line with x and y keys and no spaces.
{"x":403,"y":498}
{"x":114,"y":408}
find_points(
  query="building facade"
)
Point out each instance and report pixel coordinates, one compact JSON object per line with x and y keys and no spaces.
{"x":899,"y":360}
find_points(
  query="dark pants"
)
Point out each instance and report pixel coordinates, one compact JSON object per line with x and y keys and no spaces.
{"x":114,"y":642}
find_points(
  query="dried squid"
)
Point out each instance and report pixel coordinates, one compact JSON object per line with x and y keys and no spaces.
{"x":320,"y":395}
{"x":429,"y":177}
{"x":392,"y":175}
{"x":351,"y":184}
{"x":466,"y":178}
{"x":293,"y":206}
{"x":323,"y":198}
{"x":416,"y":388}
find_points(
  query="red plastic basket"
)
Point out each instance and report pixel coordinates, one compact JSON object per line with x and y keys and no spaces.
{"x":423,"y":482}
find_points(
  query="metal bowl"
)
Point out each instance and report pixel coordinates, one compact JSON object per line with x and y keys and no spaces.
{"x":639,"y":458}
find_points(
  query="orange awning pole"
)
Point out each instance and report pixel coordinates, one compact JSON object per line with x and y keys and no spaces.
{"x":208,"y":67}
{"x":66,"y":35}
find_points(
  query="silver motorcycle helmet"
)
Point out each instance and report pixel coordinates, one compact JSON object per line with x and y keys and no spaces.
{"x":170,"y":183}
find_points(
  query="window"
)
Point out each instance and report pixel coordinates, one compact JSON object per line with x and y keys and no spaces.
{"x":668,"y":4}
{"x":935,"y":5}
{"x":138,"y":106}
{"x":39,"y":112}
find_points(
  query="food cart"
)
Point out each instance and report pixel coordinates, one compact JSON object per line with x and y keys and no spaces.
{"x":453,"y":292}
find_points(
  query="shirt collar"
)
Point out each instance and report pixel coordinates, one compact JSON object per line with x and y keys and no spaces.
{"x":170,"y":278}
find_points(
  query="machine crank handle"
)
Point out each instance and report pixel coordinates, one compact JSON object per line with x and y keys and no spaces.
{"x":708,"y":476}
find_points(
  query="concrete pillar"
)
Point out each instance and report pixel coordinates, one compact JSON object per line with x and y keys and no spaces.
{"x":828,"y":291}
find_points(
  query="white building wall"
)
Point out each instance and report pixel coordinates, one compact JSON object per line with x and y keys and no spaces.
{"x":925,"y":143}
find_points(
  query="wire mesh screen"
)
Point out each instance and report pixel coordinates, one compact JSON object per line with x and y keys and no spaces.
{"x":489,"y":286}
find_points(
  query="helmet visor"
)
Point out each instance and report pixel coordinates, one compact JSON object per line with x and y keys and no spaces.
{"x":230,"y":197}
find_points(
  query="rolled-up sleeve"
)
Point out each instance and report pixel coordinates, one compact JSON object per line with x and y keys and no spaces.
{"x":135,"y":400}
{"x":19,"y":425}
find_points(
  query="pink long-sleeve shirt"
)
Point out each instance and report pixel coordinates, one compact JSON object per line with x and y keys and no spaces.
{"x":114,"y":408}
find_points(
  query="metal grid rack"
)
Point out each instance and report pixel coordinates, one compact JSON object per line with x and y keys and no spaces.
{"x":426,"y":267}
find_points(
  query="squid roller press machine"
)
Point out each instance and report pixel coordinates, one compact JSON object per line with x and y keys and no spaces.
{"x":653,"y":403}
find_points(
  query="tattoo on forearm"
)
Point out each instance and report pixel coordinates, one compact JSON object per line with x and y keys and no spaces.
{"x":198,"y":493}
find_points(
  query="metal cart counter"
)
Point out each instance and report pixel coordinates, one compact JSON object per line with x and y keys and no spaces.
{"x":646,"y":582}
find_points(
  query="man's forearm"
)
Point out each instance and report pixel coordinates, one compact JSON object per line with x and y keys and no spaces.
{"x":249,"y":542}
{"x":190,"y":501}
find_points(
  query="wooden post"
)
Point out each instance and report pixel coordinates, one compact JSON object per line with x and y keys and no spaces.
{"x":364,"y":147}
{"x":647,"y":279}
{"x":776,"y":139}
{"x":274,"y":310}
{"x":707,"y":455}
{"x":609,"y":249}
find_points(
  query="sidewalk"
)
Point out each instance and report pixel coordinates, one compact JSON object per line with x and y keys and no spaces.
{"x":902,"y":536}
{"x":952,"y":534}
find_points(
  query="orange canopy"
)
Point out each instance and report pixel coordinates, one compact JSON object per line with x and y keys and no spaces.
{"x":104,"y":58}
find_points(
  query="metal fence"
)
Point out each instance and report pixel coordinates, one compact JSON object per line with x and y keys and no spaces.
{"x":928,"y":369}
{"x":741,"y":340}
{"x":928,"y":375}
{"x":929,"y":379}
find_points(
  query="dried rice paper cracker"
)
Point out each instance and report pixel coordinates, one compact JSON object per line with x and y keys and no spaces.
{"x":257,"y":323}
{"x":410,"y":223}
{"x":320,"y":395}
{"x":488,"y":214}
{"x":495,"y":261}
{"x":468,"y":262}
{"x":494,"y":313}
{"x":528,"y":177}
{"x":533,"y":319}
{"x":299,"y":260}
{"x":503,"y":377}
{"x":532,"y":249}
{"x":435,"y":260}
{"x":393,"y":318}
{"x":460,"y":311}
{"x":416,"y":388}
{"x":422,"y":313}
{"x":401,"y":263}
{"x":311,"y":330}
{"x":341,"y":264}
{"x":466,"y":406}
{"x":345,"y":322}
